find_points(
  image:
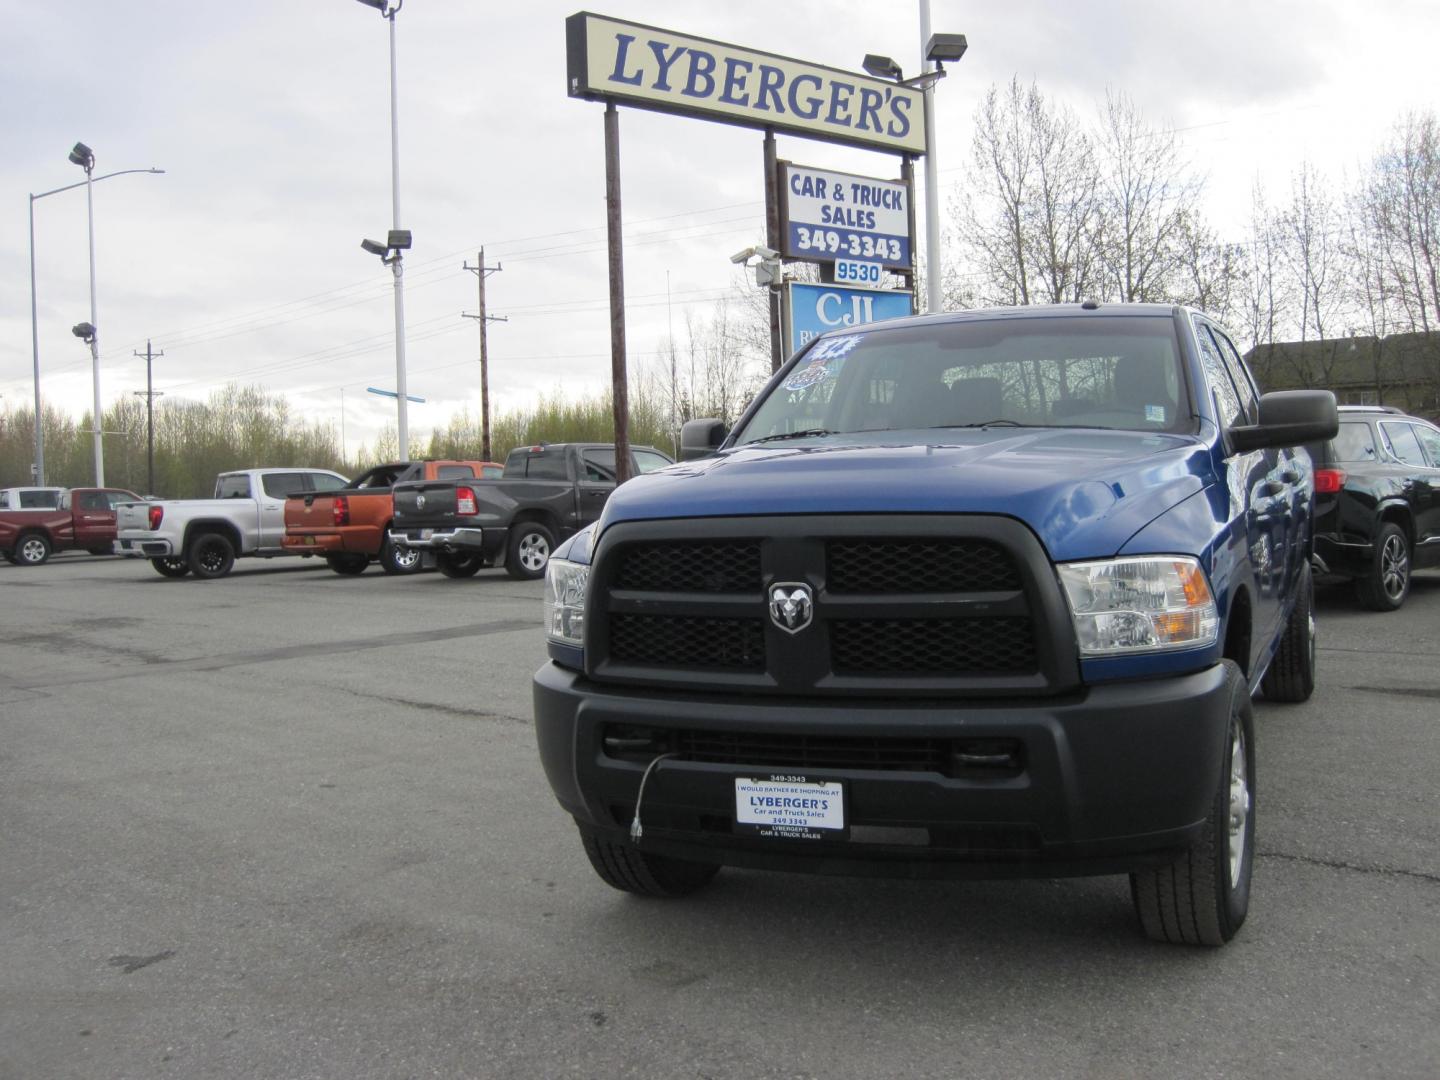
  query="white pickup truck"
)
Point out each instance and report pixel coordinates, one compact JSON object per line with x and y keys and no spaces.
{"x":204,"y":537}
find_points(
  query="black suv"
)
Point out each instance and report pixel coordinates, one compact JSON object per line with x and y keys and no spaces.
{"x":1377,"y":502}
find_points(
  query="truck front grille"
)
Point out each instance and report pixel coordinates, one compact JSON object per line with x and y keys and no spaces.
{"x":688,"y":642}
{"x":901,"y":605}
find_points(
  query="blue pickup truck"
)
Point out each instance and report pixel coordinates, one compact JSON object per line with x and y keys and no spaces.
{"x":984,"y":593}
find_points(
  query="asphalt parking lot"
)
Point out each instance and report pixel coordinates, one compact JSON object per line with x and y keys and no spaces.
{"x":289,"y":824}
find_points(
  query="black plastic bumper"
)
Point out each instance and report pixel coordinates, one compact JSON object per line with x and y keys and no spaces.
{"x":1120,"y":776}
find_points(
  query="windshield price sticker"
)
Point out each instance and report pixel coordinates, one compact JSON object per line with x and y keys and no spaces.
{"x":838,"y":216}
{"x":790,"y":808}
{"x":859,"y":272}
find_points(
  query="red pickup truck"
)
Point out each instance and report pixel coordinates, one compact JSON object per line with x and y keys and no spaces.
{"x":350,"y":527}
{"x":85,"y":519}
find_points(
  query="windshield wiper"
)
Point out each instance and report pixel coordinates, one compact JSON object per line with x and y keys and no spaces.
{"x":790,"y":435}
{"x":988,"y":423}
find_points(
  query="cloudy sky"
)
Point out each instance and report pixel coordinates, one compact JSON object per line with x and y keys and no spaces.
{"x":271,"y":119}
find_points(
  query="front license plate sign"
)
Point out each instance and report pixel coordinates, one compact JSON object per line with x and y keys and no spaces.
{"x":790,"y":807}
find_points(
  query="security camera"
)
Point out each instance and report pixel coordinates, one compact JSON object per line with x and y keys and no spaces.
{"x":765,"y":253}
{"x":742,"y":256}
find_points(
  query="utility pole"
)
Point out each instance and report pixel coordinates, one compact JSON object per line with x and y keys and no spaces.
{"x":482,"y":272}
{"x":149,"y":394}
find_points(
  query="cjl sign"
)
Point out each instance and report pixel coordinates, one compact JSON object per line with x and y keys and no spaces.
{"x":814,"y":309}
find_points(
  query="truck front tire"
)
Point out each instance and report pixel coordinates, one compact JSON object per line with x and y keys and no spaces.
{"x":625,"y":867}
{"x":211,"y":555}
{"x":527,"y":551}
{"x":1203,"y":896}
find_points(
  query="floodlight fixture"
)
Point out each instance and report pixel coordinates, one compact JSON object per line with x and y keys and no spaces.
{"x":384,"y":7}
{"x":398,"y":239}
{"x":374,"y":247}
{"x":882,"y":67}
{"x":84,"y":331}
{"x":945,"y":48}
{"x":83,"y":156}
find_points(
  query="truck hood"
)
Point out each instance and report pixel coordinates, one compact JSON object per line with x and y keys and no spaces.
{"x":1084,"y":493}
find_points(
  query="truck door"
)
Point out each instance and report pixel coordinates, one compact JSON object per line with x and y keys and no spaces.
{"x":596,"y":482}
{"x":93,"y":515}
{"x":1260,"y":499}
{"x":275,"y":488}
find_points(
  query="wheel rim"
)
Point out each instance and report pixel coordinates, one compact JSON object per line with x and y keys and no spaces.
{"x":1239,"y":803}
{"x":1394,"y":566}
{"x":32,"y":550}
{"x":174,"y":564}
{"x":211,"y":558}
{"x":534,"y":552}
{"x":405,"y":557}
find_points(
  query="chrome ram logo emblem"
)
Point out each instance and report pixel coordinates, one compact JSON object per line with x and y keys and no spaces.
{"x":419,"y":502}
{"x":792,"y":606}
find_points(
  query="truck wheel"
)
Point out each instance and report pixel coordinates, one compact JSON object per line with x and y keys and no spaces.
{"x":454,"y":565}
{"x":1387,"y":582}
{"x":528,"y":550}
{"x":625,"y":867}
{"x":398,"y":558}
{"x":32,"y":549}
{"x":349,"y":564}
{"x":171,"y":567}
{"x":211,"y":555}
{"x":1291,"y":677}
{"x":1202,"y":897}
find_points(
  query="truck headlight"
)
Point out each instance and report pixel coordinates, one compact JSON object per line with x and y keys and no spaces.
{"x":565,"y":584}
{"x":1145,"y":604}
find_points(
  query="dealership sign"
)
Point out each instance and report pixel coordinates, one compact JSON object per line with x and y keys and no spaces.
{"x":831,"y":215}
{"x":814,"y":309}
{"x":633,"y":64}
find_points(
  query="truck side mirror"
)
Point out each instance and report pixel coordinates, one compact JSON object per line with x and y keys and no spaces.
{"x":701,"y":438}
{"x":1289,"y":418}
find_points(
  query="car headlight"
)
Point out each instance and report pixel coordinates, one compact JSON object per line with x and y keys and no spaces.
{"x":1146,"y":604}
{"x":565,"y":584}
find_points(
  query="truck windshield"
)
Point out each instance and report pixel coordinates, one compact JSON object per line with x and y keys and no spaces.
{"x":1120,"y":372}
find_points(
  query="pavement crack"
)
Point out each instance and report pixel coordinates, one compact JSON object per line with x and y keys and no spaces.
{"x":1341,"y":864}
{"x":440,"y":707}
{"x":1431,"y":692}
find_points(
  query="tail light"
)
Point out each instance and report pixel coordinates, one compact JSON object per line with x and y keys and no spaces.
{"x":464,"y":500}
{"x":342,"y":510}
{"x":157,"y":515}
{"x":1329,"y":481}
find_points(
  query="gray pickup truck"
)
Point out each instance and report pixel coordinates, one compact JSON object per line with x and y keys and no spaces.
{"x":204,"y":537}
{"x":545,"y":495}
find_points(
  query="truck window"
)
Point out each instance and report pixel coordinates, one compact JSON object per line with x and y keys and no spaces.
{"x":1430,"y":439}
{"x":545,"y":466}
{"x":1227,"y":400}
{"x":39,"y":500}
{"x":455,"y":472}
{"x":1354,"y":442}
{"x":93,"y":500}
{"x":492,"y":472}
{"x":1239,"y":375}
{"x":649,"y":461}
{"x":599,"y":466}
{"x":1119,"y":372}
{"x":320,"y":481}
{"x":232,"y":486}
{"x":283,"y":485}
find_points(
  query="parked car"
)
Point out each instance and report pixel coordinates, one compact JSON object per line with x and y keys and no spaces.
{"x":204,"y":537}
{"x":84,"y":518}
{"x":1377,"y":502}
{"x":30,"y":498}
{"x":974,"y":593}
{"x":351,"y":526}
{"x":546,"y":493}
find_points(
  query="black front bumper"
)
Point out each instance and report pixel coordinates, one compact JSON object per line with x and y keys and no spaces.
{"x":1110,"y":779}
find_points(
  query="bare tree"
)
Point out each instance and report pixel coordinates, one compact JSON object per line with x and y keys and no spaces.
{"x":1262,"y":303}
{"x":1148,"y":194}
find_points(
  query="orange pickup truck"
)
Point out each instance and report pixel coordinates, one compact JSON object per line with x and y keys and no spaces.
{"x":349,"y":527}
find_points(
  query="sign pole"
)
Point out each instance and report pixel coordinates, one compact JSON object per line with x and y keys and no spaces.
{"x":772,"y":241}
{"x":907,"y":173}
{"x":619,"y":392}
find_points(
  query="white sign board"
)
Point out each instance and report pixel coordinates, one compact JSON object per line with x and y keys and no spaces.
{"x":830,"y":215}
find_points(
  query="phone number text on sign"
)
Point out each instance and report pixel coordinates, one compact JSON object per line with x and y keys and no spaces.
{"x":805,"y":240}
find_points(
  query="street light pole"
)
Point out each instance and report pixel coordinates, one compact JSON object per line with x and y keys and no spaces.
{"x":98,"y":434}
{"x":401,"y":412}
{"x":34,"y":321}
{"x":933,"y":302}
